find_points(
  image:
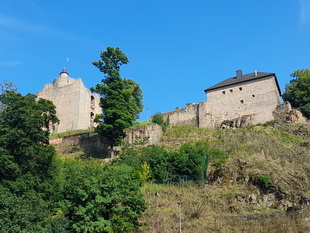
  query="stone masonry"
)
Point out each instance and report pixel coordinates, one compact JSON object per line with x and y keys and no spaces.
{"x":244,"y":99}
{"x":76,"y":106}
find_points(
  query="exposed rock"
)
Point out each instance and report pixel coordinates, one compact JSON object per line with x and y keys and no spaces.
{"x":237,"y":122}
{"x":285,"y":113}
{"x":304,"y":200}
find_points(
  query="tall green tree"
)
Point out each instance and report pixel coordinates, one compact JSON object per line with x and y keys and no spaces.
{"x":26,"y":163}
{"x":121,"y":99}
{"x":297,"y":92}
{"x":24,"y":131}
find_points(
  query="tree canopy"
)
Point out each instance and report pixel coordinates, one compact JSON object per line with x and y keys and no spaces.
{"x":297,"y":92}
{"x":39,"y":193}
{"x":121,"y":99}
{"x":23,"y":140}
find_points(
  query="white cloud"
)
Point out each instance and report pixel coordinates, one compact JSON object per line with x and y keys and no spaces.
{"x":304,"y":11}
{"x":10,"y":63}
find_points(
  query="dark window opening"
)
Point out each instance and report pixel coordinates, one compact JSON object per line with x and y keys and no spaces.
{"x":92,"y":102}
{"x":240,"y":88}
{"x":223,"y":92}
{"x":253,"y":95}
{"x":92,"y":118}
{"x":242,"y":101}
{"x":231,"y":90}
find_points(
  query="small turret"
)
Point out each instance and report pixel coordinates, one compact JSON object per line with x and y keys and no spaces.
{"x":64,"y":79}
{"x":64,"y":73}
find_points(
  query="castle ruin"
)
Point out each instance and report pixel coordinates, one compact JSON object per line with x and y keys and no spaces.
{"x":238,"y":101}
{"x":76,"y":106}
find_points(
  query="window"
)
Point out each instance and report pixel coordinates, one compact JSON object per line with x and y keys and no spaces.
{"x":92,"y":102}
{"x":224,"y":92}
{"x":253,"y":95}
{"x":242,"y":101}
{"x":240,"y":88}
{"x":231,"y":90}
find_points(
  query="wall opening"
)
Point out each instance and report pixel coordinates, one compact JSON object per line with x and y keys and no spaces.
{"x":224,"y":92}
{"x":240,"y":88}
{"x":231,"y":90}
{"x":253,"y":95}
{"x":242,"y":101}
{"x":92,"y":102}
{"x":92,"y":118}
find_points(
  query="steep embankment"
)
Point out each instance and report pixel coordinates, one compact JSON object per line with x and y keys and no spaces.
{"x":263,"y":186}
{"x":267,"y":172}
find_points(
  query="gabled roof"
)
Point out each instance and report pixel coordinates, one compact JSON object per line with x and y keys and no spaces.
{"x":243,"y":79}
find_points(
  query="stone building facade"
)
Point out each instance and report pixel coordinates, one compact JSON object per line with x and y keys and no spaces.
{"x":245,"y":99}
{"x":76,"y":106}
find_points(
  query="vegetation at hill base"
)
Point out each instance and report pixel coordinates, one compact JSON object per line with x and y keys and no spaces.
{"x":42,"y":193}
{"x":255,"y":176}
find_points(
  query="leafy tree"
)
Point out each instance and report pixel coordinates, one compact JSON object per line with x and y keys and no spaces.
{"x":26,"y":163}
{"x":6,"y":87}
{"x":120,"y":98}
{"x":297,"y":92}
{"x":24,"y":124}
{"x":100,"y":199}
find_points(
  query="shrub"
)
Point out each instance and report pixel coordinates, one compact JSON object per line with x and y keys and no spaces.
{"x":264,"y":181}
{"x":159,"y":119}
{"x":190,"y":160}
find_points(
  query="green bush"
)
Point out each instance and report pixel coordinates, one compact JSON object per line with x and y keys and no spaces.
{"x":264,"y":181}
{"x":159,"y":119}
{"x":190,"y":161}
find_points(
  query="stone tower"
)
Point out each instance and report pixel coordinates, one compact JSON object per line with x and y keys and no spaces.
{"x":76,"y":106}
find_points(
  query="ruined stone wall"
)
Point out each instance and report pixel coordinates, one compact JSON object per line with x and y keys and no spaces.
{"x":76,"y":106}
{"x":256,"y":99}
{"x":150,"y":134}
{"x":185,"y":116}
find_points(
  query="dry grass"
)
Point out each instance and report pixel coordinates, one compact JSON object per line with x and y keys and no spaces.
{"x":69,"y":151}
{"x":280,"y":153}
{"x":211,"y":210}
{"x":71,"y":133}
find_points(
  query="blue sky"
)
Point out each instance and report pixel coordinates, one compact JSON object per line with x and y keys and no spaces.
{"x":176,"y":48}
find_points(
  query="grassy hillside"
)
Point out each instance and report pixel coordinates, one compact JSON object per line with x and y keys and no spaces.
{"x":266,"y":174}
{"x":268,"y":171}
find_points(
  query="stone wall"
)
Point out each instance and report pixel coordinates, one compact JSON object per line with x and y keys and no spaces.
{"x":76,"y":106}
{"x":150,"y":134}
{"x":185,"y":116}
{"x":96,"y":146}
